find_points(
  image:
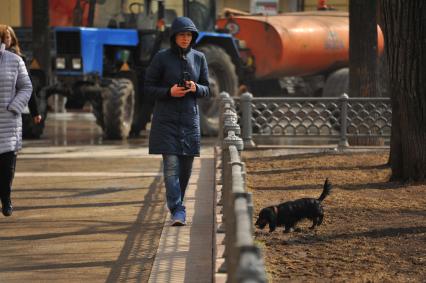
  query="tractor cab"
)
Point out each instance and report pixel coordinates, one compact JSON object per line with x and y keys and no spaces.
{"x":152,"y":14}
{"x":152,"y":19}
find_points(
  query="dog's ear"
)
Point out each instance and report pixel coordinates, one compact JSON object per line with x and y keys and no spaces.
{"x":272,"y":219}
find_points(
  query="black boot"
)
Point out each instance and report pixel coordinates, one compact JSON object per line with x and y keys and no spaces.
{"x":7,"y":208}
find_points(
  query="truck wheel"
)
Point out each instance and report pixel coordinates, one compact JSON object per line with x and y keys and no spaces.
{"x":337,"y":83}
{"x":30,"y":130}
{"x":222,"y":77}
{"x":117,"y":108}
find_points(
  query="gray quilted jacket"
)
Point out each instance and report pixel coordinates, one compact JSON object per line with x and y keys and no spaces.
{"x":15,"y":91}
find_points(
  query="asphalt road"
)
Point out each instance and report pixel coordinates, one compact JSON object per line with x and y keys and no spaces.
{"x":86,"y":210}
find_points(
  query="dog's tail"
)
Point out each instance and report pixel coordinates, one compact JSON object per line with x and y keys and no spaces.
{"x":326,"y":191}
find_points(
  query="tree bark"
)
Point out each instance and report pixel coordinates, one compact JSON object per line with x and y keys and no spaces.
{"x":383,"y":69}
{"x":363,"y":63}
{"x":405,"y":44}
{"x":362,"y":48}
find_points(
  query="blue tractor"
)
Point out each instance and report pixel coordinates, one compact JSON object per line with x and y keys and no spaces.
{"x":105,"y":62}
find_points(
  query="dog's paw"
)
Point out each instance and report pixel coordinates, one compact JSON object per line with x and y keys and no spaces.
{"x":260,"y":233}
{"x":288,"y":230}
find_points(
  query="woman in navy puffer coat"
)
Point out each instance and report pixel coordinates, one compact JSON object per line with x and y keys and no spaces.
{"x":175,"y":78}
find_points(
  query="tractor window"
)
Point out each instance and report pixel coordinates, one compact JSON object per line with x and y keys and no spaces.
{"x":106,"y":13}
{"x":200,"y":11}
{"x":140,"y":14}
{"x":174,"y":7}
{"x":143,"y":14}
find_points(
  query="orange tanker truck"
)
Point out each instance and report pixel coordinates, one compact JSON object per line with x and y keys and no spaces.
{"x":312,"y":45}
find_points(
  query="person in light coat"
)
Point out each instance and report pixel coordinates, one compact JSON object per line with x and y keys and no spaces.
{"x":12,"y":45}
{"x":15,"y":92}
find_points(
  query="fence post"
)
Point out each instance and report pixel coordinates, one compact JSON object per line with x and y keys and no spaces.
{"x":230,"y":141}
{"x":231,"y":123}
{"x":234,"y":140}
{"x":343,"y":143}
{"x":228,"y":115}
{"x":225,"y":98}
{"x":250,"y":208}
{"x":247,"y":130}
{"x":251,"y":268}
{"x":226,"y":205}
{"x":226,"y":112}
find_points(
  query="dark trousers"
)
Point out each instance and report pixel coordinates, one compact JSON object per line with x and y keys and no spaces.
{"x":7,"y":172}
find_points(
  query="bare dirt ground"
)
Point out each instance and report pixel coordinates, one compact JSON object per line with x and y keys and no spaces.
{"x":373,"y":230}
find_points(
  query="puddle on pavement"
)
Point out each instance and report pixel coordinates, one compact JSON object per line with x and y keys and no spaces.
{"x":74,"y":128}
{"x":80,"y":128}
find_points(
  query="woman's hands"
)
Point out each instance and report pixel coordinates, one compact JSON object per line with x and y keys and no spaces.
{"x":179,"y":91}
{"x":37,"y":119}
{"x":192,"y":87}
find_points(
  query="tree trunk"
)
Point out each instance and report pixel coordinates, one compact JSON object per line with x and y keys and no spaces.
{"x":405,"y":43}
{"x":362,"y":48}
{"x":363,"y":56}
{"x":383,"y":69}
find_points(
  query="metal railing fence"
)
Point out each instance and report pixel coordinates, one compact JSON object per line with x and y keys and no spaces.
{"x":243,"y":259}
{"x":314,"y":117}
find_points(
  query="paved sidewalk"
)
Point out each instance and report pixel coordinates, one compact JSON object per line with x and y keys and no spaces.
{"x":90,"y":210}
{"x":94,"y":214}
{"x":185,"y":254}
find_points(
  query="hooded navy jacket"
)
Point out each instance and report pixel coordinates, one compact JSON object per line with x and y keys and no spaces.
{"x":175,"y":126}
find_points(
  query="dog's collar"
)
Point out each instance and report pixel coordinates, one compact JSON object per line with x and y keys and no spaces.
{"x":275,"y":209}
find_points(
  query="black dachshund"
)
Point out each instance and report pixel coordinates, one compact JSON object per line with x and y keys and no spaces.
{"x":287,"y":214}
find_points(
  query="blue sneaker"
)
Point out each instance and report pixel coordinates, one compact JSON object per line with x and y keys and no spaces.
{"x":178,"y":218}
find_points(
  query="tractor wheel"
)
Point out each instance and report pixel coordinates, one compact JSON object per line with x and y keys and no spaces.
{"x":30,"y":130}
{"x":222,"y":77}
{"x":117,"y":108}
{"x":97,"y":109}
{"x":337,"y":83}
